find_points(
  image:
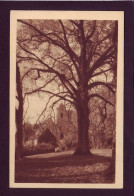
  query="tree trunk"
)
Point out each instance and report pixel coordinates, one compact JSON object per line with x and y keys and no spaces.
{"x":19,"y":116}
{"x":82,"y":98}
{"x":83,"y":125}
{"x":111,"y":169}
{"x":112,"y":164}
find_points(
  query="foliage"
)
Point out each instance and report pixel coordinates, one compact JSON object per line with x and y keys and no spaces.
{"x":28,"y":132}
{"x":38,"y":149}
{"x":47,"y":137}
{"x":102,"y":120}
{"x":69,"y":142}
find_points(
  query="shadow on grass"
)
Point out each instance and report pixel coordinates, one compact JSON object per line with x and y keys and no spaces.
{"x":61,"y":161}
{"x":62,"y":169}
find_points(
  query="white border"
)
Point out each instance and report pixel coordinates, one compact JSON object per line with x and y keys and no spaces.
{"x":89,"y":15}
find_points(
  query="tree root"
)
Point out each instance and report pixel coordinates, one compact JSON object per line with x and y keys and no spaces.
{"x":80,"y":152}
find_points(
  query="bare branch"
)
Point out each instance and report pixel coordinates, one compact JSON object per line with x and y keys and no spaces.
{"x":51,"y":70}
{"x":75,"y":23}
{"x":100,"y":97}
{"x":107,"y":85}
{"x":55,"y":94}
{"x":92,"y":32}
{"x":73,"y":54}
{"x":101,"y":72}
{"x":54,"y":42}
{"x":62,"y":62}
{"x":101,"y":60}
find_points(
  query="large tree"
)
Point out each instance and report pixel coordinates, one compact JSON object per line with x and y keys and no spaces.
{"x":76,"y":59}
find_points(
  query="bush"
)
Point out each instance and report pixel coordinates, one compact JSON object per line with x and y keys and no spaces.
{"x":68,"y":143}
{"x":39,"y":149}
{"x":47,"y":137}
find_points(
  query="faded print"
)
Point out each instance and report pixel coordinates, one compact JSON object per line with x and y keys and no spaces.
{"x":67,"y":113}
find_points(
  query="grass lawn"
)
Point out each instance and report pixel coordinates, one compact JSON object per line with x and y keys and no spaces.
{"x":64,"y":168}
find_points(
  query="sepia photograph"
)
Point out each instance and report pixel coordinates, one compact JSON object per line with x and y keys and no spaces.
{"x":66,"y":99}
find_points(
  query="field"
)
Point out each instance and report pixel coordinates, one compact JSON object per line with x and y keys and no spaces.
{"x":64,"y":167}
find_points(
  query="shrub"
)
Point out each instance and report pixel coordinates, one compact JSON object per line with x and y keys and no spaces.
{"x":38,"y":149}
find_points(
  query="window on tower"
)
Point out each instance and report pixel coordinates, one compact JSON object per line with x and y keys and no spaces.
{"x":61,"y":115}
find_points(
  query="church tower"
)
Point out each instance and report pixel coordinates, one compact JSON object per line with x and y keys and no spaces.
{"x":62,"y":120}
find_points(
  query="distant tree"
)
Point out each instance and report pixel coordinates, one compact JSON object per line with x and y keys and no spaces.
{"x":102,"y":120}
{"x":76,"y":57}
{"x":28,"y":132}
